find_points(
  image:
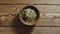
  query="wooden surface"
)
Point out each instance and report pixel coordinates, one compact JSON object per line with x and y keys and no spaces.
{"x":35,"y":30}
{"x":29,"y":1}
{"x":48,"y":22}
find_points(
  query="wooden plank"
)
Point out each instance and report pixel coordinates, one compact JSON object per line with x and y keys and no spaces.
{"x":41,"y":15}
{"x":45,"y":21}
{"x":6,"y":21}
{"x":46,"y":30}
{"x":48,"y":22}
{"x":50,"y":15}
{"x":8,"y":9}
{"x":8,"y":33}
{"x":29,"y":1}
{"x":18,"y":8}
{"x":34,"y":30}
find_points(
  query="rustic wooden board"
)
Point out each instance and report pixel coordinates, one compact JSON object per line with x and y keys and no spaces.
{"x":18,"y":8}
{"x":8,"y":33}
{"x":45,"y":21}
{"x":29,"y":1}
{"x":26,"y":30}
{"x":48,"y":22}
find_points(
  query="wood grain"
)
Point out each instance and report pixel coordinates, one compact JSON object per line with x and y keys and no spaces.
{"x":29,"y":1}
{"x":15,"y":21}
{"x":35,"y":30}
{"x":18,"y":8}
{"x":48,"y":22}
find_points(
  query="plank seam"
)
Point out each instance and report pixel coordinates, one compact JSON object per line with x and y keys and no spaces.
{"x":29,"y":26}
{"x":29,"y":4}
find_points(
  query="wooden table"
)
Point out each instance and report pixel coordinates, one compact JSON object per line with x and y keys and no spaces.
{"x":48,"y":22}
